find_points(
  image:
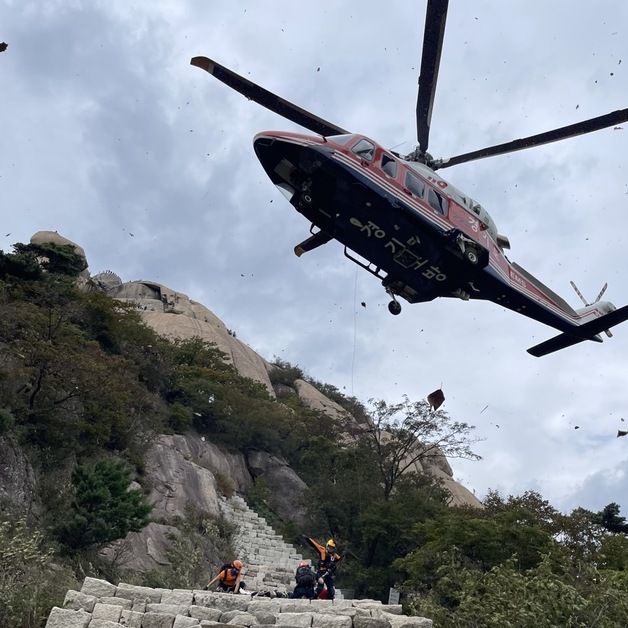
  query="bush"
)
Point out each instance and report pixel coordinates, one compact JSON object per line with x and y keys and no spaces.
{"x":28,"y":586}
{"x":225,"y":484}
{"x":284,"y":372}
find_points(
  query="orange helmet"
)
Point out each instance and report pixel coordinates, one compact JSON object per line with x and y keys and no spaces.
{"x":331,"y":543}
{"x":238,"y":564}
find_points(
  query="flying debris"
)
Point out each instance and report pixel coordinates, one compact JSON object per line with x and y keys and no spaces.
{"x":3,"y":46}
{"x":621,"y":433}
{"x":576,"y":427}
{"x":131,"y":234}
{"x":363,"y":304}
{"x":436,"y":399}
{"x":484,"y":408}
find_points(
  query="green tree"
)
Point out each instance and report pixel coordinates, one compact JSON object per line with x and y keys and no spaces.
{"x":54,"y":258}
{"x":610,"y":519}
{"x":481,"y":540}
{"x":405,"y":435}
{"x":103,"y":508}
{"x":546,"y":596}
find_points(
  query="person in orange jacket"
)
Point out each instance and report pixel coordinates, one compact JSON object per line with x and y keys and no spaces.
{"x":328,"y":560}
{"x":229,"y":578}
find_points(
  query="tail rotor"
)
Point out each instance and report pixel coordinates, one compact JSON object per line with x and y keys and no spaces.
{"x":599,"y":296}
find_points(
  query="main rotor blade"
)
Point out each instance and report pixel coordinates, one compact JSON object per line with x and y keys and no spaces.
{"x":267,"y":99}
{"x":563,"y":133}
{"x":435,"y":17}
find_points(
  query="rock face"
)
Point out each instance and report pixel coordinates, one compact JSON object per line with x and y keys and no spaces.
{"x":100,"y":604}
{"x":144,"y":550}
{"x":182,"y":471}
{"x":17,"y":480}
{"x":174,"y":315}
{"x":287,"y":489}
{"x":315,"y":400}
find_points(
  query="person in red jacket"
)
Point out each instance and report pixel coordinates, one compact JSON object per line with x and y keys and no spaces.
{"x":328,"y":560}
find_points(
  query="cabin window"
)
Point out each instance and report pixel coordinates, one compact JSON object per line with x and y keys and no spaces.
{"x":415,"y":185}
{"x":364,"y":149}
{"x":437,"y":202}
{"x":341,"y":139}
{"x":389,"y":165}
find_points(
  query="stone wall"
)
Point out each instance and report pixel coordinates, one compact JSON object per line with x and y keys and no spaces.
{"x":100,"y":604}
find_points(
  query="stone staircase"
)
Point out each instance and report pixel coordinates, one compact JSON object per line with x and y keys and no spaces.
{"x":100,"y":604}
{"x":269,"y":561}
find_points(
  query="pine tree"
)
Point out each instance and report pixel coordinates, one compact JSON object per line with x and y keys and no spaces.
{"x":103,"y":509}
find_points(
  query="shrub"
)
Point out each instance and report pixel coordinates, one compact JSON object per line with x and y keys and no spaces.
{"x":284,"y":372}
{"x":28,"y":586}
{"x":225,"y":484}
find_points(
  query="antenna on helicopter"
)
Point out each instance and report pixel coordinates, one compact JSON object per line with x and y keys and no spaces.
{"x":599,"y":296}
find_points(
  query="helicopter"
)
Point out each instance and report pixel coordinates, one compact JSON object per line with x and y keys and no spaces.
{"x":399,"y":220}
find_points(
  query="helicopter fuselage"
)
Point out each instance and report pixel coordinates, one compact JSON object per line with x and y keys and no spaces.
{"x":406,"y":225}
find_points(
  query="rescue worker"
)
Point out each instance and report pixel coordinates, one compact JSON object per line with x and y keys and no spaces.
{"x":328,"y":560}
{"x":305,"y":579}
{"x":229,"y":578}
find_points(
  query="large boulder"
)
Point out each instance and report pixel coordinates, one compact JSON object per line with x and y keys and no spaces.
{"x":52,"y":237}
{"x":316,"y":400}
{"x":174,"y":315}
{"x":144,"y":550}
{"x":183,"y":470}
{"x":287,"y":489}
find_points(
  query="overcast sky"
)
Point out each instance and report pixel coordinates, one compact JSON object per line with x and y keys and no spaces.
{"x":107,"y":131}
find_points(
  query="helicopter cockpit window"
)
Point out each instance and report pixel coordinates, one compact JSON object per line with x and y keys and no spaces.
{"x":437,"y":202}
{"x":364,"y":149}
{"x":415,"y":185}
{"x":389,"y":166}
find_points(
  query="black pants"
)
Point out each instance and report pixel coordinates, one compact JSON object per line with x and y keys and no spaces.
{"x":328,"y":581}
{"x":303,"y":591}
{"x":223,"y":588}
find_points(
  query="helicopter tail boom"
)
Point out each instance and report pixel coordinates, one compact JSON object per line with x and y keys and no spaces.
{"x":587,"y":331}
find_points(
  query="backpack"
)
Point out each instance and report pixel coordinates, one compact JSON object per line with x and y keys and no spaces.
{"x":305,"y":576}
